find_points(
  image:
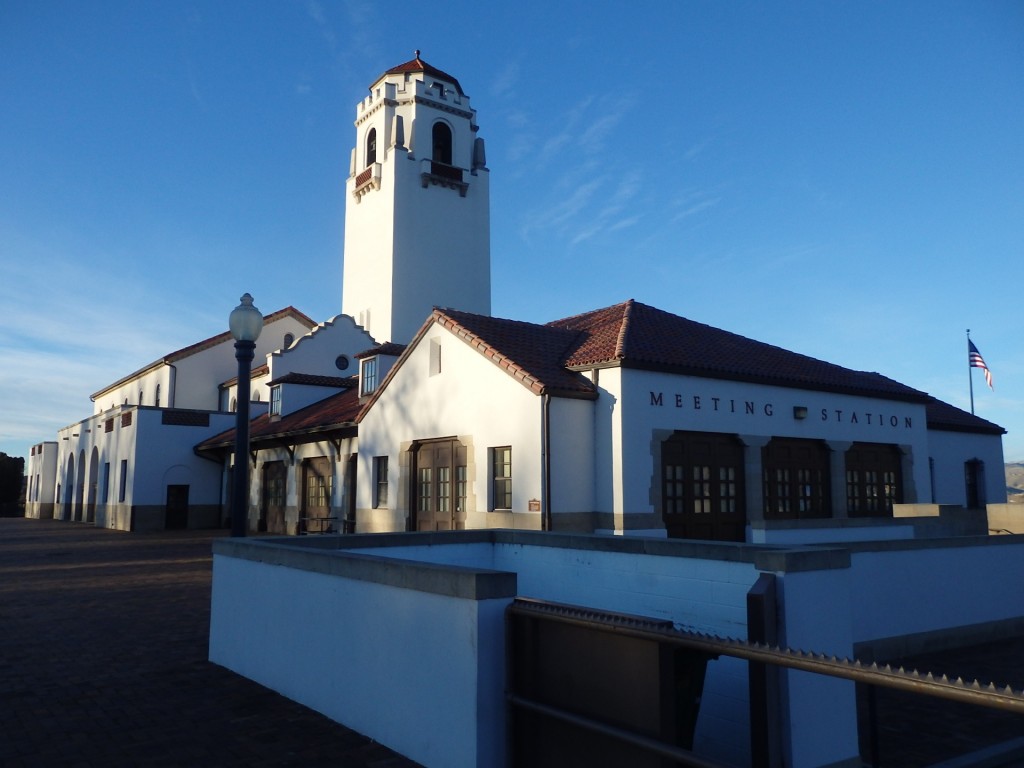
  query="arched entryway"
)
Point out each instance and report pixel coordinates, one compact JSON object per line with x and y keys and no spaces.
{"x":69,"y":489}
{"x":78,"y":513}
{"x":94,"y":484}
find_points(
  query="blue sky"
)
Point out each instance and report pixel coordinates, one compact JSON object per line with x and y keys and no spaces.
{"x":843,"y":179}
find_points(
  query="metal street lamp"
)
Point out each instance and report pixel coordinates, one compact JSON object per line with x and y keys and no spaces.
{"x":245,"y":323}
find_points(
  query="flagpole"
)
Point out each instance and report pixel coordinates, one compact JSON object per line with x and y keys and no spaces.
{"x":970,"y":375}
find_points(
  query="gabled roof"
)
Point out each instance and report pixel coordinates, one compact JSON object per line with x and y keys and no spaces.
{"x":419,"y":65}
{"x":636,"y":335}
{"x":330,"y":414}
{"x":947,"y":418}
{"x":199,"y":346}
{"x":530,"y":353}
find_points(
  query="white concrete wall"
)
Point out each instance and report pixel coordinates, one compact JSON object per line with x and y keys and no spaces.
{"x":418,"y":671}
{"x":903,"y":589}
{"x":703,"y":595}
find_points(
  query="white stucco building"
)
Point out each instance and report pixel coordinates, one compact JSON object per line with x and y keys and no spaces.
{"x":416,"y":410}
{"x":396,"y":415}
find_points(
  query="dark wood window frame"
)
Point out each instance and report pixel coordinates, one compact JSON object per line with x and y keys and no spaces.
{"x":874,"y":479}
{"x":501,"y":478}
{"x":797,"y":479}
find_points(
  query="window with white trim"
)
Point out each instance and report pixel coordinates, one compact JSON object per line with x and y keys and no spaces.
{"x":368,"y":376}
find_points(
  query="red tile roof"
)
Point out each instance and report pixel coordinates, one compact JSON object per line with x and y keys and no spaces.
{"x":419,"y":65}
{"x":532,"y":354}
{"x":332,"y":413}
{"x":636,"y":335}
{"x":947,"y":418}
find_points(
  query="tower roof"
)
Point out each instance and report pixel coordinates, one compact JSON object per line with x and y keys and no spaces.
{"x":419,"y":65}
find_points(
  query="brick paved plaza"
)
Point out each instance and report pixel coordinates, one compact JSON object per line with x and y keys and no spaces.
{"x":103,"y":661}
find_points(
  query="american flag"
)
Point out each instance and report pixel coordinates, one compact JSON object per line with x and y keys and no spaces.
{"x":977,"y":361}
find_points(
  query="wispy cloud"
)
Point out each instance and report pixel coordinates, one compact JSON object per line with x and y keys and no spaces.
{"x":585,"y":191}
{"x":58,"y":348}
{"x":506,"y":79}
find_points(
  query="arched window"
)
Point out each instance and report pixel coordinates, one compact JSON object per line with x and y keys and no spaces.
{"x":140,"y":397}
{"x":371,"y":147}
{"x":442,"y":142}
{"x":288,"y":339}
{"x":234,"y":404}
{"x":255,"y":396}
{"x":157,"y":403}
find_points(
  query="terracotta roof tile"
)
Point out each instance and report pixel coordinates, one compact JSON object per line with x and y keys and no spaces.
{"x":419,"y":65}
{"x":945,"y":417}
{"x":334,"y":412}
{"x":636,"y":335}
{"x":532,"y":354}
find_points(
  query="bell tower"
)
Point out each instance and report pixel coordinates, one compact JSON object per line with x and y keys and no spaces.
{"x":417,"y":207}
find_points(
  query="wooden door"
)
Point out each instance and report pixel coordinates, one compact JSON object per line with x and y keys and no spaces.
{"x":317,"y":486}
{"x":272,"y":502}
{"x":177,"y":507}
{"x":441,"y":486}
{"x":703,"y":493}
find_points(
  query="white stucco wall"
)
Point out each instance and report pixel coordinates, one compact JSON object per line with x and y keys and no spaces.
{"x":410,"y":247}
{"x":950,"y":451}
{"x":192,"y":381}
{"x":155,"y":455}
{"x":316,"y":351}
{"x":472,"y":399}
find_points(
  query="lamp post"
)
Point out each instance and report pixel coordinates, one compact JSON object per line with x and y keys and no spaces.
{"x":245,"y":322}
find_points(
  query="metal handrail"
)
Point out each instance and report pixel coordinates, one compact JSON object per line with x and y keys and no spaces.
{"x":885,"y":676}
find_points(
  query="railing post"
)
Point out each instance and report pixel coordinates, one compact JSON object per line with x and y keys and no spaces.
{"x":762,"y":627}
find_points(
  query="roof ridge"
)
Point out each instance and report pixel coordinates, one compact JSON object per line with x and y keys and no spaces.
{"x":624,"y":326}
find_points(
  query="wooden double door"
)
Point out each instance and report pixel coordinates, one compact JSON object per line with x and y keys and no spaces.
{"x":702,"y":490}
{"x":440,"y":490}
